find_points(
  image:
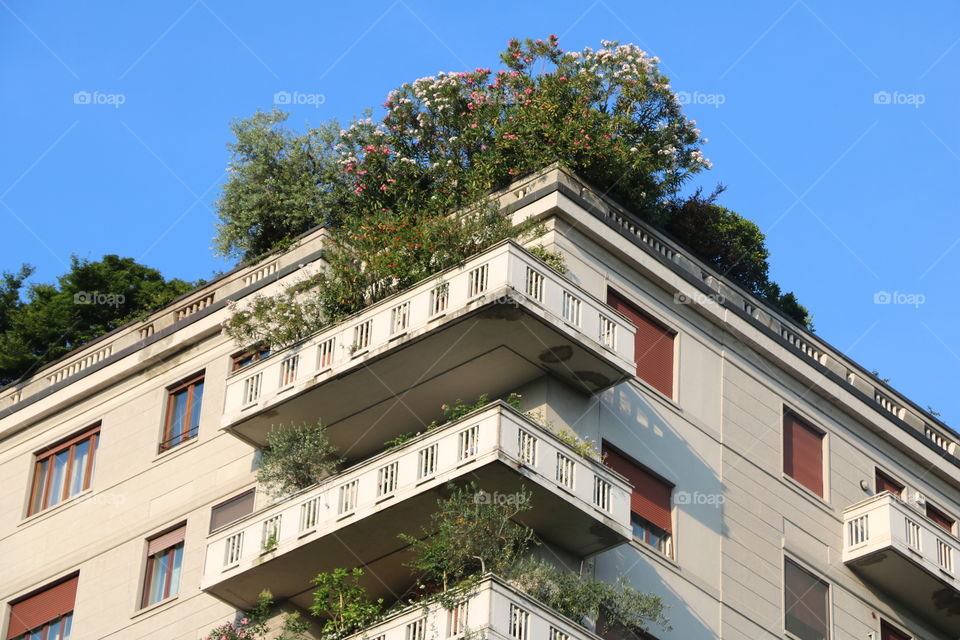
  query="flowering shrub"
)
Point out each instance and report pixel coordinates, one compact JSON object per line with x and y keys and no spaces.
{"x":253,"y":625}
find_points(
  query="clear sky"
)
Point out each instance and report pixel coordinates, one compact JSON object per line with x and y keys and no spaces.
{"x":832,"y":123}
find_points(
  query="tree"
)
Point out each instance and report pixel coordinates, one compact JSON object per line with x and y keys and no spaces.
{"x":91,"y":299}
{"x":386,"y":188}
{"x":342,"y":600}
{"x":296,"y":457}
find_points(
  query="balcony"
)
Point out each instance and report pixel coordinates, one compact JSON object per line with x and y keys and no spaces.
{"x":901,"y":551}
{"x":490,"y":325}
{"x":353,"y":518}
{"x":494,"y":609}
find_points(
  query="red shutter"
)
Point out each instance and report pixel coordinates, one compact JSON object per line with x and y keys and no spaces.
{"x":49,"y":604}
{"x":886,"y":483}
{"x":653,"y":346}
{"x":889,"y":633}
{"x":943,"y":520}
{"x":803,"y":453}
{"x":651,"y":495}
{"x":166,"y":540}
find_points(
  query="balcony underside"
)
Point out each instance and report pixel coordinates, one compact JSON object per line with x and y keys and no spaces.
{"x":901,"y":578}
{"x":492,"y":349}
{"x":372,"y":543}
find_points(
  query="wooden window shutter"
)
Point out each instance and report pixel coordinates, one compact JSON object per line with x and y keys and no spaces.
{"x":886,"y":483}
{"x":231,"y":510}
{"x":805,"y":603}
{"x":888,"y":632}
{"x":651,"y":496}
{"x":653,"y":345}
{"x":803,"y":453}
{"x":943,"y":520}
{"x":44,"y":606}
{"x":166,"y":540}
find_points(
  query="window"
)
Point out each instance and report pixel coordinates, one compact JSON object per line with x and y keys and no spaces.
{"x":940,"y":518}
{"x":889,"y":632}
{"x":183,"y":412}
{"x":248,"y":357}
{"x":650,"y":511}
{"x":63,"y":470}
{"x":44,"y":615}
{"x":164,"y":558}
{"x":231,"y":510}
{"x":803,"y":453}
{"x":653,"y":346}
{"x":806,"y":602}
{"x":886,"y":483}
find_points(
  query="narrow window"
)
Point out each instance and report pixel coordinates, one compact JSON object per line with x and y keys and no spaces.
{"x":941,"y":519}
{"x":884,"y":482}
{"x":164,"y":559}
{"x":806,"y":603}
{"x":249,"y":356}
{"x":63,"y":470}
{"x":803,"y":453}
{"x":231,"y":510}
{"x":653,"y":346}
{"x":182,"y":422}
{"x":650,"y":510}
{"x":889,"y":632}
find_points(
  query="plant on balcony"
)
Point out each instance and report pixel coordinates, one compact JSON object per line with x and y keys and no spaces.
{"x":343,"y":602}
{"x":452,"y":412}
{"x":254,"y":624}
{"x":471,"y":533}
{"x":296,"y":457}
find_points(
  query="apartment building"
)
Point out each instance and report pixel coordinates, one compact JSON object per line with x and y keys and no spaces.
{"x":762,"y":483}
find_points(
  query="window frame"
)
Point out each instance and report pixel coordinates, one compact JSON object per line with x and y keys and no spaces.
{"x":886,"y":625}
{"x":151,"y":560}
{"x":168,"y":442}
{"x":823,"y":434}
{"x":878,"y":473}
{"x":942,"y":514}
{"x":50,"y":595}
{"x":256,"y":353}
{"x":660,"y":324}
{"x":252,"y":491}
{"x":90,"y":434}
{"x":828,"y":600}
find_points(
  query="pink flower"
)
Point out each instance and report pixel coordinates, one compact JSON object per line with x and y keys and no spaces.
{"x":528,"y":91}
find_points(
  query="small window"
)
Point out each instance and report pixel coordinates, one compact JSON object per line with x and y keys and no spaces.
{"x":650,"y":509}
{"x":249,"y":356}
{"x":941,"y":519}
{"x":231,"y":510}
{"x":182,"y":422}
{"x":64,"y":470}
{"x":46,"y":614}
{"x":653,"y":345}
{"x":884,"y":482}
{"x":803,"y":452}
{"x":889,"y":632}
{"x":806,"y":602}
{"x":164,"y":560}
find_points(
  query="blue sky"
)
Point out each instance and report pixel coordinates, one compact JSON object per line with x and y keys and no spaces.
{"x":833,"y":125}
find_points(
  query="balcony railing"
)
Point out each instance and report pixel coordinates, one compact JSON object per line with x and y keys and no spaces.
{"x":596,"y":497}
{"x":922,"y":568}
{"x":494,"y":609}
{"x":505,"y":273}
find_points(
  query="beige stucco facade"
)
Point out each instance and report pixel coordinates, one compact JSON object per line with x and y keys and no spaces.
{"x":718,"y":440}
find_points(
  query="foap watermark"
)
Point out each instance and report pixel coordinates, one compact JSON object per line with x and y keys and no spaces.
{"x":698,"y":298}
{"x":298,"y":98}
{"x":98,"y":98}
{"x":698,"y":498}
{"x":517,"y":499}
{"x":98,"y":297}
{"x":899,"y":98}
{"x":898,"y":297}
{"x":696,"y":97}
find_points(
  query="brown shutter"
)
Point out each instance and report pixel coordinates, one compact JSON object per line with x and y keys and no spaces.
{"x":231,"y":510}
{"x":805,"y":603}
{"x":886,"y":483}
{"x":943,"y":520}
{"x":887,"y":632}
{"x":651,"y":496}
{"x":166,"y":540}
{"x":49,"y":604}
{"x":653,"y":346}
{"x":803,"y":453}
